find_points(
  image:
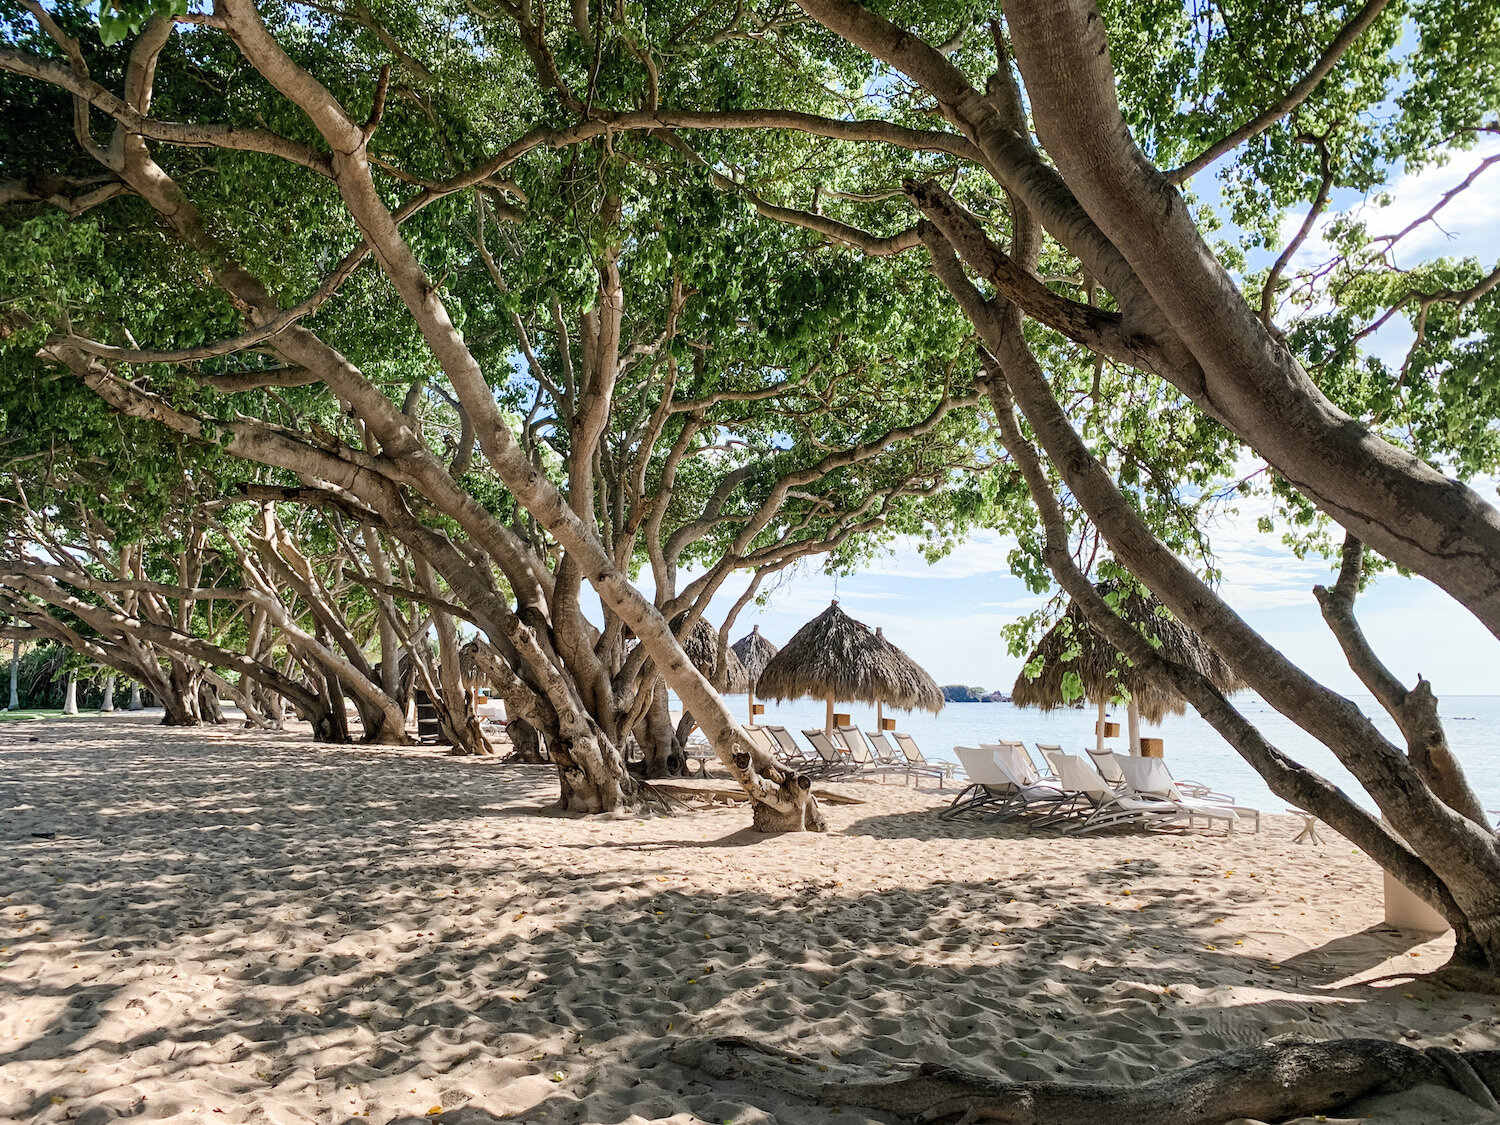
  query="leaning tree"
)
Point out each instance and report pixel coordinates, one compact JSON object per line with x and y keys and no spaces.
{"x":1066,"y":238}
{"x":543,"y":383}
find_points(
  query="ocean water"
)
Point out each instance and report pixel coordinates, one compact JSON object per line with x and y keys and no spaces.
{"x":1193,"y":748}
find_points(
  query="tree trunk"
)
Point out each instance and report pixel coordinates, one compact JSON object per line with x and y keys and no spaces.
{"x":1445,"y":857}
{"x":181,"y":699}
{"x":108,"y":703}
{"x":390,"y":639}
{"x":70,"y":695}
{"x":526,"y":742}
{"x":455,"y":706}
{"x":661,"y":753}
{"x":135,"y":697}
{"x":591,"y":767}
{"x":255,"y":718}
{"x":1271,"y":1082}
{"x":208,"y":703}
{"x":15,"y":672}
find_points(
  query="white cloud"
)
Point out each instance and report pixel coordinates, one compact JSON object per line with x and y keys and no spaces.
{"x":1468,"y":225}
{"x":984,"y":552}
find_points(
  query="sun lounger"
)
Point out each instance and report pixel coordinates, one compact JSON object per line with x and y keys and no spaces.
{"x":763,"y":740}
{"x":989,"y":788}
{"x":1150,"y":778}
{"x":1044,"y":772}
{"x":885,"y":753}
{"x":1036,"y":793}
{"x":1014,"y":757}
{"x":1101,"y":806}
{"x":888,"y":755}
{"x":860,"y":753}
{"x":1199,"y":789}
{"x":833,"y":762}
{"x":1049,"y":753}
{"x":1109,"y":769}
{"x":996,"y":790}
{"x":913,"y":754}
{"x":789,"y":751}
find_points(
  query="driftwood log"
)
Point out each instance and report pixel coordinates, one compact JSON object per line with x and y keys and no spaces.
{"x":1272,"y":1082}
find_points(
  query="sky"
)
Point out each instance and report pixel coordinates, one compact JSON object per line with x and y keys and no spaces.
{"x":949,"y":616}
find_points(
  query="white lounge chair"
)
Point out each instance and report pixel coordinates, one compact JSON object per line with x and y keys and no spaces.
{"x":1037,"y":794}
{"x":763,"y":740}
{"x":833,"y":763}
{"x":913,"y":754}
{"x":1149,"y":778}
{"x":1049,"y":753}
{"x":1015,"y":758}
{"x":860,"y":753}
{"x":790,"y":751}
{"x":1109,"y":769}
{"x":1101,"y":805}
{"x":996,"y":790}
{"x":888,"y":755}
{"x":989,"y":787}
{"x":885,"y":753}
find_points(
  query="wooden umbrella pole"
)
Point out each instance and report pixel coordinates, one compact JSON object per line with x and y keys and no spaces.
{"x":1099,"y":727}
{"x":828,"y":721}
{"x":880,"y":714}
{"x":750,"y":703}
{"x":1133,"y":716}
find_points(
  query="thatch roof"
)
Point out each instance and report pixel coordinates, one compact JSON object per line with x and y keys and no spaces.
{"x":1104,"y":671}
{"x":701,"y":645}
{"x":731,"y":677}
{"x":753,"y":652}
{"x":835,"y":654}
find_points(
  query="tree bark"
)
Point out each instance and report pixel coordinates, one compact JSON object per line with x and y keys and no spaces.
{"x":1271,"y":1082}
{"x":1457,"y":863}
{"x":181,"y":701}
{"x":526,"y":743}
{"x":70,"y":694}
{"x":1181,"y":314}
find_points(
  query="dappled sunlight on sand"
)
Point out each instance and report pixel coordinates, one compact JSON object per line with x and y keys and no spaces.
{"x":254,"y":928}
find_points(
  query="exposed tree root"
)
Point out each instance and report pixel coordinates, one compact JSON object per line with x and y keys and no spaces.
{"x":1464,"y":978}
{"x":1272,"y":1082}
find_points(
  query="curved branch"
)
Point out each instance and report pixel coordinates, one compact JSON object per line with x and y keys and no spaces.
{"x":169,"y":132}
{"x":1289,"y":101}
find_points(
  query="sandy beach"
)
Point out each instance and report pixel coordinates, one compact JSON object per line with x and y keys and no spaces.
{"x":220,"y":925}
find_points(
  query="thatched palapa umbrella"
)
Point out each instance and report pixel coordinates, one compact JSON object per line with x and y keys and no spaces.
{"x":753,"y":652}
{"x":701,"y":645}
{"x":1104,"y":671}
{"x":834,"y":657}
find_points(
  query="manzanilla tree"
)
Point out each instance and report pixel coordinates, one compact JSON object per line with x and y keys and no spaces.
{"x":438,"y":294}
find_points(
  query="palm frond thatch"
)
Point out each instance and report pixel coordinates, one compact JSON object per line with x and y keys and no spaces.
{"x":753,"y":652}
{"x":1072,"y":646}
{"x":833,"y":654}
{"x":701,"y":645}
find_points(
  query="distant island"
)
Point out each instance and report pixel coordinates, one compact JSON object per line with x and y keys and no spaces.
{"x":958,"y":693}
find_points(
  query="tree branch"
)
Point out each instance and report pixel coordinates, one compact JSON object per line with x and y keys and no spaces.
{"x":1351,"y":31}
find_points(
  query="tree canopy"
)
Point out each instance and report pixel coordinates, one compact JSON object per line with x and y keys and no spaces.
{"x":547,"y":293}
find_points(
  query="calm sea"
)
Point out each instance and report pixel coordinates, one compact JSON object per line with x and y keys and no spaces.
{"x":1193,"y":749}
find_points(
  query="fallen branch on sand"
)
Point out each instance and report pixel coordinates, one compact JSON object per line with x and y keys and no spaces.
{"x":1274,"y":1081}
{"x":698,"y":798}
